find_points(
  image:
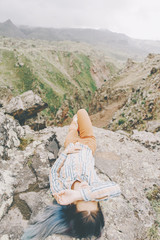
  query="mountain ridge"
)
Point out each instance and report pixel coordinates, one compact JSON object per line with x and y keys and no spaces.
{"x":9,"y":29}
{"x":115,"y":44}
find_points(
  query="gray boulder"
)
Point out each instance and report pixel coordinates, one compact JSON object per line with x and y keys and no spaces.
{"x":153,"y":126}
{"x":25,"y":106}
{"x":10,"y":134}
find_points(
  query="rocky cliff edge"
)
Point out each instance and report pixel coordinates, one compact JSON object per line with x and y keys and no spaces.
{"x":132,"y":160}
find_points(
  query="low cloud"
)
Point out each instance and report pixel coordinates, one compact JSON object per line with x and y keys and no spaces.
{"x":138,"y":19}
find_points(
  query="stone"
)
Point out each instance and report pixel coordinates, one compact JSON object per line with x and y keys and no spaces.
{"x":6,"y":189}
{"x":25,"y":178}
{"x":153,"y":126}
{"x":5,"y":237}
{"x":25,"y":106}
{"x":53,"y":146}
{"x":153,"y":70}
{"x":13,"y":224}
{"x":108,"y":162}
{"x":43,"y":198}
{"x":129,"y":63}
{"x":37,"y":122}
{"x":148,"y":139}
{"x":151,"y":55}
{"x":5,"y":205}
{"x":10,"y":134}
{"x":5,"y":95}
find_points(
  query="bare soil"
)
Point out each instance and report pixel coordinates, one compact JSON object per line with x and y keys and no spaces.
{"x":103,"y":118}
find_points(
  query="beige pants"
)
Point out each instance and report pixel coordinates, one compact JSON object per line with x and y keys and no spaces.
{"x":84,"y":133}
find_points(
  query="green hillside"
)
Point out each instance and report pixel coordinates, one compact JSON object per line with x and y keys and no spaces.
{"x":51,"y":71}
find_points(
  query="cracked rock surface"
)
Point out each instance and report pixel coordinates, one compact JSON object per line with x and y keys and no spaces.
{"x":133,"y":161}
{"x":25,"y":106}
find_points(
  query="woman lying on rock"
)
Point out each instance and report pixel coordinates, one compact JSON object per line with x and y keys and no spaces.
{"x":76,"y":188}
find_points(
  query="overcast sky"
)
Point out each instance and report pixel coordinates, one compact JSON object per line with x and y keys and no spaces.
{"x":136,"y":18}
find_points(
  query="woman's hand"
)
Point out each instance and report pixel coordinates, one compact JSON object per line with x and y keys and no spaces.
{"x":67,"y":196}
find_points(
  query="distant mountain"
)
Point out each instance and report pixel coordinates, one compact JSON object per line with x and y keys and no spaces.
{"x":116,"y":45}
{"x":8,"y":29}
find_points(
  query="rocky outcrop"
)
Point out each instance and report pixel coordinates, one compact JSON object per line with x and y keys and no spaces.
{"x":27,"y":164}
{"x":132,"y":160}
{"x":131,"y":98}
{"x":105,"y":96}
{"x":119,"y":157}
{"x":25,"y":106}
{"x":141,"y":110}
{"x":10,"y":134}
{"x":22,"y":107}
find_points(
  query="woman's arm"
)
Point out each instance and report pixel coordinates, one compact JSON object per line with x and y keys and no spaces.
{"x":100,"y":191}
{"x":68,"y":196}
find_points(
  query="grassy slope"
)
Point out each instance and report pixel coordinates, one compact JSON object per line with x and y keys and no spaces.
{"x":52,"y":73}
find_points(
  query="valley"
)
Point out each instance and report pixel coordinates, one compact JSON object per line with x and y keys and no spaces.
{"x":57,"y":72}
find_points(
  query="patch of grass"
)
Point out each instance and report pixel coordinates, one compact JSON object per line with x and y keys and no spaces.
{"x":87,"y":108}
{"x":112,"y":68}
{"x":154,"y":197}
{"x":82,"y":74}
{"x":29,"y":163}
{"x":134,"y":100}
{"x":64,"y":97}
{"x":154,"y":194}
{"x":52,"y":98}
{"x":22,"y":76}
{"x":59,"y":79}
{"x":8,"y":60}
{"x":121,"y":121}
{"x":26,"y":77}
{"x":8,"y":57}
{"x":71,"y":112}
{"x":24,"y":142}
{"x":153,"y":232}
{"x":68,"y":54}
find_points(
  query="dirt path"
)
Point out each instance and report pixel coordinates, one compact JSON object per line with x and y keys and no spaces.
{"x":103,"y":118}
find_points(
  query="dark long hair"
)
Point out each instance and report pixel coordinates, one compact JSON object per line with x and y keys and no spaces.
{"x":87,"y":224}
{"x":65,"y":220}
